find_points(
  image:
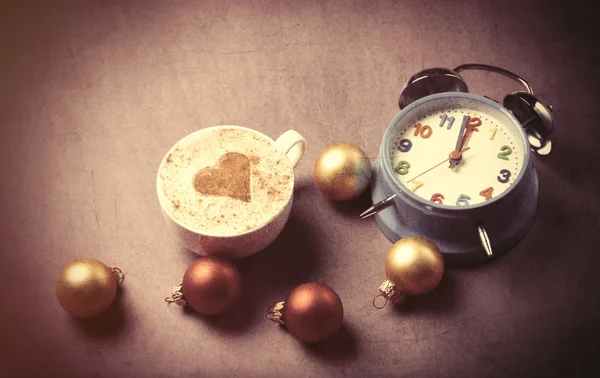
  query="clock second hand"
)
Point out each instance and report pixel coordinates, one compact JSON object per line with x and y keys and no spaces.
{"x":377,"y":207}
{"x":437,"y":165}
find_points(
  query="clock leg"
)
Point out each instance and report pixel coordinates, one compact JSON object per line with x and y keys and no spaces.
{"x":377,"y":207}
{"x":485,"y":240}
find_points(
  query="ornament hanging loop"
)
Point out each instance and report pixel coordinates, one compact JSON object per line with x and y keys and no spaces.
{"x":385,"y":301}
{"x":119,"y":273}
{"x":176,"y":296}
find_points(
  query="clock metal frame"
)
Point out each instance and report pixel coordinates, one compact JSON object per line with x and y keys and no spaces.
{"x":461,"y":233}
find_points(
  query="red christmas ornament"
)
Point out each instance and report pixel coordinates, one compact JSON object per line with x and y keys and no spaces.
{"x":210,"y":286}
{"x":312,"y":312}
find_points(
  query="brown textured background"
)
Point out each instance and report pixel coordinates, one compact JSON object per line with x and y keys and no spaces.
{"x":93,"y":94}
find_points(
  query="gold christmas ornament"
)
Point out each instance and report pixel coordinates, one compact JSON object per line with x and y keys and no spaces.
{"x":312,"y":312}
{"x":413,"y":266}
{"x":86,"y":287}
{"x":210,"y":286}
{"x":342,"y":171}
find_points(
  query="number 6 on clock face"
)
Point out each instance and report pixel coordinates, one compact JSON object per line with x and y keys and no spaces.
{"x":487,"y":166}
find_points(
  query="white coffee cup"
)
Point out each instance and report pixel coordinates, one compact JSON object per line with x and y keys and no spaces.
{"x":290,"y":145}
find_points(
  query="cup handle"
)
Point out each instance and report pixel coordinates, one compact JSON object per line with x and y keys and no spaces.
{"x":291,"y":144}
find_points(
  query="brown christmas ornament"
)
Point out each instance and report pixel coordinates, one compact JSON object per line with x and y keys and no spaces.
{"x":312,"y":312}
{"x":342,"y":171}
{"x":86,"y":287}
{"x":210,"y":286}
{"x":413,"y":266}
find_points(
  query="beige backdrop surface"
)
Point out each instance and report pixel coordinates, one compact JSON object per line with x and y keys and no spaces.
{"x":93,"y":93}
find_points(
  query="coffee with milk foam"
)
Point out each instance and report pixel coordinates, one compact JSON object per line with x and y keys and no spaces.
{"x":226,"y":181}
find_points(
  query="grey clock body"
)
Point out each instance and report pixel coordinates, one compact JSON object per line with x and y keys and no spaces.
{"x":455,"y":230}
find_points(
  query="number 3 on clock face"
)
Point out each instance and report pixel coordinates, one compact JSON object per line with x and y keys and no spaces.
{"x":492,"y":156}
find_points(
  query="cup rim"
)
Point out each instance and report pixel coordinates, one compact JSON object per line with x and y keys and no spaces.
{"x":169,"y":214}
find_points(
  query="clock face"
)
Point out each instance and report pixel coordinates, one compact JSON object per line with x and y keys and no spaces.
{"x":457,"y":156}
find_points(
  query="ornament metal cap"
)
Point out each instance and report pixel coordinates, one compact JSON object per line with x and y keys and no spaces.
{"x":274,"y":313}
{"x":388,"y":292}
{"x":177,"y":296}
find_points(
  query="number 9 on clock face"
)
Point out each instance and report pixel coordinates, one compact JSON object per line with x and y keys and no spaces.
{"x":457,"y":156}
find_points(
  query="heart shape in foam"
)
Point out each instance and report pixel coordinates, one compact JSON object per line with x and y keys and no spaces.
{"x":230,"y":178}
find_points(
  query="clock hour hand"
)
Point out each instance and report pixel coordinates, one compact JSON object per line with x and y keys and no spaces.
{"x":456,"y":155}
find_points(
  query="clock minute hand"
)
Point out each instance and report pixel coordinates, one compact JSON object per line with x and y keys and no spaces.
{"x":472,"y":125}
{"x":456,"y":156}
{"x":463,"y":126}
{"x":435,"y":166}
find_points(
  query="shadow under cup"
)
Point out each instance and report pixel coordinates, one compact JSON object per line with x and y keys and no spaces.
{"x":290,"y":146}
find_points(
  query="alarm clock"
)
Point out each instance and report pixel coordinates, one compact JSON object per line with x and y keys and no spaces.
{"x":456,"y":167}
